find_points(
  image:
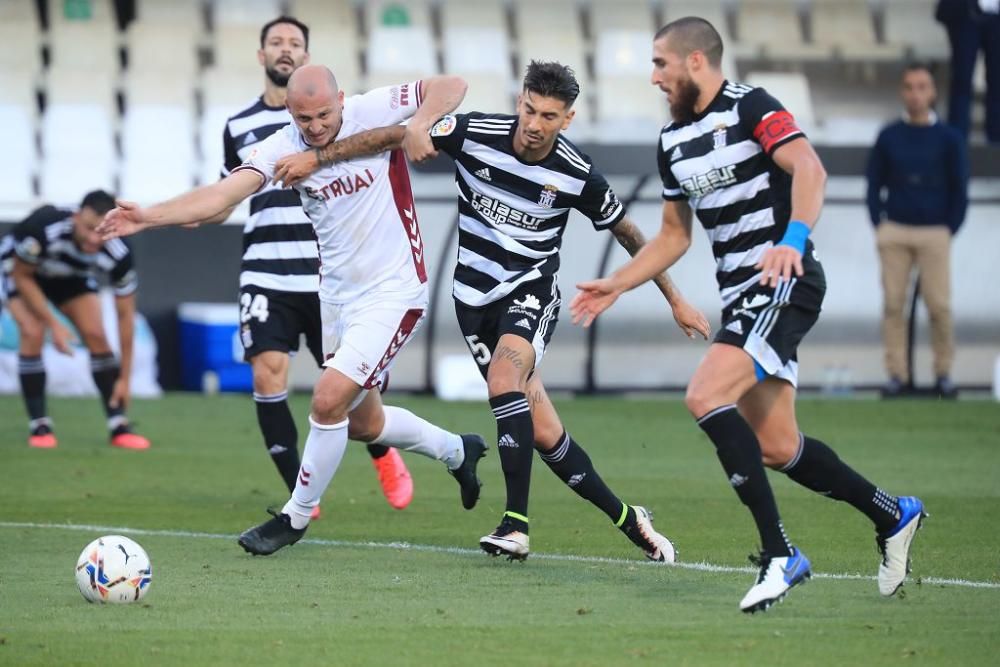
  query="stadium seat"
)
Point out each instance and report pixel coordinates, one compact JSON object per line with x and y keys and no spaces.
{"x":713,"y":11}
{"x":77,"y":129}
{"x":69,"y":85}
{"x":848,"y":28}
{"x":250,"y":13}
{"x":158,"y":87}
{"x":773,"y":29}
{"x":147,"y":181}
{"x":65,"y":180}
{"x":476,"y":50}
{"x":333,"y":38}
{"x":621,"y":15}
{"x":792,"y":90}
{"x":16,"y":186}
{"x":184,"y":12}
{"x":155,"y":131}
{"x":21,"y":36}
{"x":910,"y":24}
{"x":235,"y":46}
{"x":210,"y":130}
{"x":85,"y":46}
{"x":399,"y":54}
{"x":17,"y":136}
{"x":623,"y":52}
{"x":162,"y":46}
{"x":396,"y":13}
{"x":629,"y":110}
{"x":18,"y":88}
{"x":488,"y":93}
{"x":534,"y":24}
{"x":93,"y":13}
{"x":231,"y":88}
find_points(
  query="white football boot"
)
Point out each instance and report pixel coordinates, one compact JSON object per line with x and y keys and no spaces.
{"x":656,"y":546}
{"x":507,"y":541}
{"x":894,"y":545}
{"x":777,"y":576}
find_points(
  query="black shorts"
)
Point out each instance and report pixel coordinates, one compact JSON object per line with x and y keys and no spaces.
{"x":530,"y":311}
{"x":56,"y":290}
{"x":271,"y":320}
{"x":770,"y":322}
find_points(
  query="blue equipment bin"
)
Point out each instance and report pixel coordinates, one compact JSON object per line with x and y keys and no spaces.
{"x":211,"y":353}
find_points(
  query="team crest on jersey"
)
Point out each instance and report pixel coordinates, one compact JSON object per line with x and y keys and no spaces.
{"x":547,"y":198}
{"x":29,"y":247}
{"x":719,"y":137}
{"x":444,"y":127}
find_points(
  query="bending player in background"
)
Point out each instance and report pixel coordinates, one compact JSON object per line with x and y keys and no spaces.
{"x":55,"y":255}
{"x":518,"y":178}
{"x":279,"y":273}
{"x":373,"y":288}
{"x":736,"y":156}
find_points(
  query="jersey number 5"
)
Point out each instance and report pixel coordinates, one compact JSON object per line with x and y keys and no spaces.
{"x":480,"y":352}
{"x":253,"y":306}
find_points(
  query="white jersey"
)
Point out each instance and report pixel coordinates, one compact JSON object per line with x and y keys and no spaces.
{"x":362,"y":209}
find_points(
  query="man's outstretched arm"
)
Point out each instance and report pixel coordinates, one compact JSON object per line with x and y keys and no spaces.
{"x":292,"y":170}
{"x":195,"y":206}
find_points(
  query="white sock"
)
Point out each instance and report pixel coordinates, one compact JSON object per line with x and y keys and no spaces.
{"x":405,"y":430}
{"x":321,"y":457}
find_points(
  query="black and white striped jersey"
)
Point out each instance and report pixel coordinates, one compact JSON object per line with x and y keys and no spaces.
{"x":279,"y":244}
{"x":45,"y":240}
{"x":511,"y":213}
{"x":721,"y":163}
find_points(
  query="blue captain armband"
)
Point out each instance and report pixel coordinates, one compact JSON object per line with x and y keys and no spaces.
{"x":796,"y":235}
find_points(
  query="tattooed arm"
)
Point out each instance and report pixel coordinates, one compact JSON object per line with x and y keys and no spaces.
{"x":688,"y":318}
{"x":293,"y":169}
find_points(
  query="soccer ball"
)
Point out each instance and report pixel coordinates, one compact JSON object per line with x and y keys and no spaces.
{"x":115,"y":569}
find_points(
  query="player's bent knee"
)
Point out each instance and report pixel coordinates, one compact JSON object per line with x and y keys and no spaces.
{"x":699,"y":402}
{"x":503,"y":383}
{"x":776,"y":453}
{"x":329,"y":409}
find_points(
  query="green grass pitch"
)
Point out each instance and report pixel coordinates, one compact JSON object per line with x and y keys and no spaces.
{"x":376,"y":586}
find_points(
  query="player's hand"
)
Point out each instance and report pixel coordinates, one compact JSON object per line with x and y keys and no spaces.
{"x":63,"y":339}
{"x":293,"y":169}
{"x":594,"y":297}
{"x":124,"y":220}
{"x":120,"y":394}
{"x":778,"y":263}
{"x":417,"y":144}
{"x":691,"y":320}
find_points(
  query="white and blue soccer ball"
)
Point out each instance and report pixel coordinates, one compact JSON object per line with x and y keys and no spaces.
{"x":114,"y":569}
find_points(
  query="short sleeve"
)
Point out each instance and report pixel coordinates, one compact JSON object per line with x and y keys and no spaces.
{"x":265,"y":154}
{"x":671,"y":188}
{"x":231,"y":158}
{"x":599,"y":202}
{"x":767,"y":121}
{"x":389,"y":105}
{"x":123,"y":278}
{"x":448,"y":134}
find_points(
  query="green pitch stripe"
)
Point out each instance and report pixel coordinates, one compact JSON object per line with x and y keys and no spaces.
{"x":461,"y":551}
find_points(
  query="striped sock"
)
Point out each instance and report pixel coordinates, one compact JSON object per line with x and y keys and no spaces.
{"x":515,"y":443}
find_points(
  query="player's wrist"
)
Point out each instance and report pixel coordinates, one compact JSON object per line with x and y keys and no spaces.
{"x":796,"y":235}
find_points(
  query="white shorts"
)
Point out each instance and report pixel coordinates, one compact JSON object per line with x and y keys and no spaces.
{"x":361,"y":339}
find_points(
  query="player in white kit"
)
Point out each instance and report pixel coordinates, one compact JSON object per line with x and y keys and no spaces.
{"x":373,"y":280}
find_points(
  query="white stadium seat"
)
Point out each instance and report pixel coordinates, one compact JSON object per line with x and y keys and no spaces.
{"x":250,"y":13}
{"x":629,"y":109}
{"x":489,"y":94}
{"x":848,"y":27}
{"x":152,"y":132}
{"x":792,"y":89}
{"x":66,"y":178}
{"x":165,"y":46}
{"x":623,"y":52}
{"x":77,"y":129}
{"x":85,"y":46}
{"x":772,"y":29}
{"x":621,"y":15}
{"x":910,"y":25}
{"x":149,"y":181}
{"x":476,"y":50}
{"x":184,"y":12}
{"x":18,"y":88}
{"x":69,"y":85}
{"x":539,"y":39}
{"x":400,"y":54}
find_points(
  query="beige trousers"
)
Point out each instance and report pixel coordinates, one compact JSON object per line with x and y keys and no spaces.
{"x":900,"y":247}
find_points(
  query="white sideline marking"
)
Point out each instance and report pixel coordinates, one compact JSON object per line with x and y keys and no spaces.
{"x":462,"y":551}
